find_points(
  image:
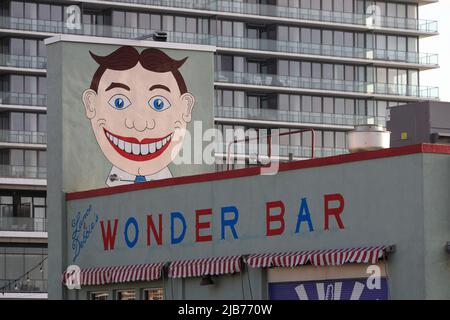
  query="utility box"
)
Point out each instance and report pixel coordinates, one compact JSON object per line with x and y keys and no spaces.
{"x":423,"y":122}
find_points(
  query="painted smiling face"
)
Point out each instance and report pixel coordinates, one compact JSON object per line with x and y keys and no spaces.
{"x":139,"y":117}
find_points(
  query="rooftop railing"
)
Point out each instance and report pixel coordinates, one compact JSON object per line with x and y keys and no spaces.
{"x":27,"y":137}
{"x":371,"y":20}
{"x":20,"y":61}
{"x":20,"y":98}
{"x":29,"y":172}
{"x":25,"y":224}
{"x":326,"y":84}
{"x":297,"y":116}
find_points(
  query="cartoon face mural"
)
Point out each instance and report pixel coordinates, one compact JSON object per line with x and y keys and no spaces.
{"x":139,"y":109}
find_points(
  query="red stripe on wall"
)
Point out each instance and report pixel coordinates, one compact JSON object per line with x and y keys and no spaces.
{"x":239,"y":173}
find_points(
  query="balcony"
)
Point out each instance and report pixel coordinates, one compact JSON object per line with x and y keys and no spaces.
{"x":365,"y":20}
{"x":26,"y":99}
{"x":25,"y":137}
{"x":27,"y":172}
{"x":355,"y":87}
{"x":426,"y":59}
{"x":17,"y":61}
{"x":23,"y":224}
{"x":30,"y":286}
{"x":296,"y":116}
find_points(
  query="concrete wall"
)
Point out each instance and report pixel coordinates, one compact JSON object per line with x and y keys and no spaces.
{"x":387,"y":201}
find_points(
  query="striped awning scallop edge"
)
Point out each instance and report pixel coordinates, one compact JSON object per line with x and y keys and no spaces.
{"x":329,"y":257}
{"x":119,"y":274}
{"x":205,"y":266}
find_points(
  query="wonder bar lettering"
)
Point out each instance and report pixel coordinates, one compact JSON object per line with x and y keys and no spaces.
{"x":148,"y":230}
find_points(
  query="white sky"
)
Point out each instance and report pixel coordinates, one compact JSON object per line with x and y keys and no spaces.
{"x":439,"y":44}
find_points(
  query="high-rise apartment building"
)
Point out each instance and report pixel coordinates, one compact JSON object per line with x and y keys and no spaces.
{"x":280,"y":64}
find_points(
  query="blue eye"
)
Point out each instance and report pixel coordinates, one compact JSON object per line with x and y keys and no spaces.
{"x":119,"y":102}
{"x":159,"y":103}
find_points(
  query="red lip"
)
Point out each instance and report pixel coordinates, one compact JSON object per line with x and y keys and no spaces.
{"x":139,"y":157}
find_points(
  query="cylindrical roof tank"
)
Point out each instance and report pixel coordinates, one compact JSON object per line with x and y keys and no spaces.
{"x":368,"y":137}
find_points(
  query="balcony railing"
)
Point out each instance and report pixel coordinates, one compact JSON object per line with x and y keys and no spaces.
{"x":325,"y":84}
{"x":429,"y":26}
{"x":297,"y":116}
{"x":207,"y":39}
{"x":23,"y":224}
{"x":18,"y":61}
{"x":30,"y":137}
{"x":19,"y":98}
{"x":30,"y":286}
{"x":325,"y":50}
{"x":12,"y":171}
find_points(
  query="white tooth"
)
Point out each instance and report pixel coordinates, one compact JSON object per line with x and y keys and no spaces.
{"x":152,"y":147}
{"x":115,"y":141}
{"x":121,"y":145}
{"x":127,"y":147}
{"x":164,"y":141}
{"x":158,"y":145}
{"x":144,"y":149}
{"x":136,"y":148}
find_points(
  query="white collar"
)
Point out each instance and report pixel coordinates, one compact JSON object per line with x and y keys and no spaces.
{"x":126,"y":178}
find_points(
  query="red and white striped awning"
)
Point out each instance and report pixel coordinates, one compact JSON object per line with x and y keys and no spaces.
{"x":203,"y":267}
{"x":119,"y":274}
{"x":330,"y":257}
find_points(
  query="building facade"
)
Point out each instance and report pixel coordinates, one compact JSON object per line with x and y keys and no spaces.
{"x":288,"y":65}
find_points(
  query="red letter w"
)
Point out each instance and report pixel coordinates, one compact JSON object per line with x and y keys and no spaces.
{"x":108,"y":239}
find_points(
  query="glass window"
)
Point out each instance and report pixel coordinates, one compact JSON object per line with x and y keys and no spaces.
{"x":31,"y":158}
{"x":294,"y":101}
{"x":44,"y":11}
{"x":283,"y":101}
{"x":42,"y":48}
{"x":283,"y":33}
{"x":42,"y":158}
{"x":30,"y":122}
{"x":306,"y":103}
{"x":348,"y":6}
{"x":16,"y":9}
{"x":338,"y":38}
{"x":338,"y":72}
{"x":16,"y":157}
{"x":118,"y":18}
{"x":155,"y":22}
{"x":167,"y":24}
{"x":381,"y":42}
{"x":381,"y":75}
{"x":30,"y":84}
{"x":316,"y":71}
{"x":56,"y":13}
{"x":16,"y":46}
{"x":339,"y":106}
{"x":328,"y":105}
{"x":16,"y":84}
{"x":348,"y":39}
{"x":191,"y":25}
{"x":294,"y":34}
{"x":126,"y":295}
{"x":239,"y":99}
{"x":283,"y":67}
{"x":30,"y":10}
{"x":349,"y":73}
{"x":227,"y":28}
{"x":340,"y":140}
{"x":227,"y":97}
{"x":131,"y":20}
{"x":316,"y":36}
{"x":317,"y":104}
{"x":239,"y":64}
{"x":99,"y":295}
{"x":144,"y":21}
{"x":306,"y":35}
{"x":349,"y":106}
{"x":42,"y":122}
{"x":327,"y":37}
{"x":328,"y":139}
{"x":327,"y":71}
{"x":154,"y":294}
{"x":238,"y":29}
{"x":42,"y":81}
{"x":294,"y":68}
{"x":180,"y":24}
{"x":338,"y":5}
{"x":226,"y":63}
{"x":306,"y":69}
{"x":31,"y":48}
{"x":327,"y":5}
{"x":17,"y":123}
{"x":412,"y":44}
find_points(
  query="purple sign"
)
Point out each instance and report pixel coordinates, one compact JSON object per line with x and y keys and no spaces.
{"x":340,"y":289}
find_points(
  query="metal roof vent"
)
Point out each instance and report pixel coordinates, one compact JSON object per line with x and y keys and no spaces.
{"x":368,"y":137}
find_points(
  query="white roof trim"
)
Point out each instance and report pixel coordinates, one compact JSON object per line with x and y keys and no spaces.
{"x":128,"y":42}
